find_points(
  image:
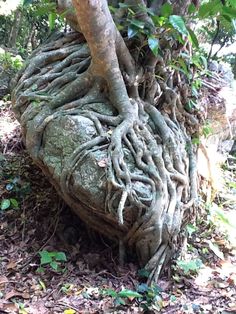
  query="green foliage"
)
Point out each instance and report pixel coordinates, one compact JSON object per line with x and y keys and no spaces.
{"x":151,"y":298}
{"x":153,"y":44}
{"x":207,"y":129}
{"x":9,"y":203}
{"x":190,"y":267}
{"x":9,"y":62}
{"x":53,"y":259}
{"x":191,"y":229}
{"x":178,"y":24}
{"x":121,"y":296}
{"x":147,"y":296}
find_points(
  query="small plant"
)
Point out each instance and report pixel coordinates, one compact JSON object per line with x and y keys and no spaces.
{"x":121,"y":296}
{"x":9,"y":62}
{"x":151,"y":297}
{"x":148,"y":297}
{"x":53,"y":259}
{"x":9,"y":203}
{"x":190,"y":266}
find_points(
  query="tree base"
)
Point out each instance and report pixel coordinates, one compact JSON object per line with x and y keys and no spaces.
{"x":128,"y":171}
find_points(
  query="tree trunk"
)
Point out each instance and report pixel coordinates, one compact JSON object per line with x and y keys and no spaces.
{"x":149,"y":124}
{"x":15,"y":28}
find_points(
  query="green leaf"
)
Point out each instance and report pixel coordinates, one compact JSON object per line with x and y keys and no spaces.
{"x":195,"y":141}
{"x":233,"y":3}
{"x":14,"y":203}
{"x":178,"y":23}
{"x":123,"y":5}
{"x":192,"y":9}
{"x":137,"y":23}
{"x":143,"y":273}
{"x":153,"y":44}
{"x":193,"y":38}
{"x":54,"y":265}
{"x":126,"y":293}
{"x":132,"y":31}
{"x":166,"y":9}
{"x":191,"y":228}
{"x":52,"y":18}
{"x":143,"y":287}
{"x":173,"y":298}
{"x":45,"y":257}
{"x":42,"y":284}
{"x":5,"y":204}
{"x":119,"y":301}
{"x":110,"y":292}
{"x":209,"y":9}
{"x":60,"y":256}
{"x":40,"y":270}
{"x":231,"y":12}
{"x":27,"y":2}
{"x":188,"y":266}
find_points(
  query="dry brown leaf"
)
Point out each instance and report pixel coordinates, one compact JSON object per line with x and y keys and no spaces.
{"x":11,"y":265}
{"x":14,"y":293}
{"x":3,"y":279}
{"x":9,"y":307}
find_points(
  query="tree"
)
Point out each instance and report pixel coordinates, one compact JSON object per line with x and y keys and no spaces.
{"x":142,"y":68}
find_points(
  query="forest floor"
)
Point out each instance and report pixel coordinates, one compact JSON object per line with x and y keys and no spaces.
{"x":51,"y":263}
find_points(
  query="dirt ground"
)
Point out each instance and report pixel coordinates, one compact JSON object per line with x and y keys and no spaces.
{"x":33,"y":219}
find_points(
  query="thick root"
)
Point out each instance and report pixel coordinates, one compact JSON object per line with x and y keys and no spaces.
{"x":150,"y":172}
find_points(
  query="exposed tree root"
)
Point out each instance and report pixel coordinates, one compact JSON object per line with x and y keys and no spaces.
{"x":59,"y":80}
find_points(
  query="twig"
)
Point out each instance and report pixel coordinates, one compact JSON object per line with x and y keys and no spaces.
{"x":68,"y":305}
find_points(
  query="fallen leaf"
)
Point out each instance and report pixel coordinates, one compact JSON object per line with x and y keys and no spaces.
{"x":11,"y":265}
{"x":3,"y":279}
{"x":69,"y":311}
{"x":9,"y":308}
{"x":14,"y":293}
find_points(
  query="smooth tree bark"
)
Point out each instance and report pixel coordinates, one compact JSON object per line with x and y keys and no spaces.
{"x":149,"y":122}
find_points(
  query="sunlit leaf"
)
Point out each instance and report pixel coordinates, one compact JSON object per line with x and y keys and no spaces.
{"x":153,"y":44}
{"x":178,"y":23}
{"x":192,"y":265}
{"x":191,"y":228}
{"x":52,"y":18}
{"x":42,"y":284}
{"x":5,"y":204}
{"x":132,"y":31}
